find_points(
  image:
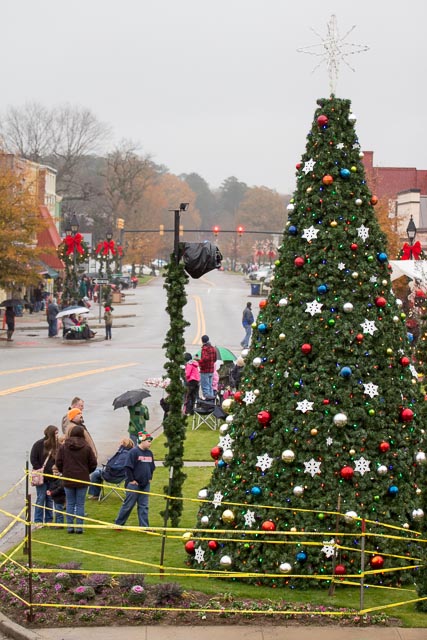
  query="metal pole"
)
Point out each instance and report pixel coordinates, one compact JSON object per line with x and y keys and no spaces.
{"x":362,"y":564}
{"x":165,"y":522}
{"x":30,"y":570}
{"x":176,"y":236}
{"x":334,"y":559}
{"x":28,"y":508}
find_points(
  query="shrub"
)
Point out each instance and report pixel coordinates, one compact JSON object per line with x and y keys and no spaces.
{"x":137,"y":594}
{"x":84,"y":592}
{"x":127,"y":581}
{"x":167,"y":592}
{"x":97,"y":581}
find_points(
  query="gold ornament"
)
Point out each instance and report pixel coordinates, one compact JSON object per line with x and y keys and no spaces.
{"x":334,"y":223}
{"x":314,"y":432}
{"x":282,"y":336}
{"x":227,"y":516}
{"x":187,"y":535}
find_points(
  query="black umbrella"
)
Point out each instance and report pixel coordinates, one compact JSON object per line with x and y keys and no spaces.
{"x":130,"y":398}
{"x":12,"y":302}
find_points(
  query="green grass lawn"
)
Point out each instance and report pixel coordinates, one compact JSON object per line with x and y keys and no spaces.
{"x":104,"y":549}
{"x":197,"y":446}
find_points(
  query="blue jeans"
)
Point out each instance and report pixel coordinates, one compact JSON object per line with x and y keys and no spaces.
{"x":59,"y":512}
{"x":43,"y":506}
{"x":131,"y":498}
{"x":246,"y":339}
{"x":75,"y":506}
{"x":206,"y":385}
{"x":53,"y":327}
{"x":95,"y":476}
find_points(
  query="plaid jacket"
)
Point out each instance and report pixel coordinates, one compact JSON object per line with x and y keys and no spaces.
{"x":208,"y":358}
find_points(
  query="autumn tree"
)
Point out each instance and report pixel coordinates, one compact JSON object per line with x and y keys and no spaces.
{"x":261,"y":209}
{"x":205,"y":202}
{"x":20,"y":222}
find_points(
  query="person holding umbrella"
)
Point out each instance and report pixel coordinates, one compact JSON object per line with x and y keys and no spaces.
{"x":138,"y":412}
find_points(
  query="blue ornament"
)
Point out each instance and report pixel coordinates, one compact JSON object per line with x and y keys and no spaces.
{"x":262,"y":328}
{"x":345,"y":173}
{"x":393,"y":490}
{"x":301,"y":556}
{"x":410,"y":337}
{"x":256,"y":491}
{"x":382,"y":257}
{"x":292,"y":230}
{"x":346,"y":372}
{"x":322,"y":288}
{"x":221,"y":464}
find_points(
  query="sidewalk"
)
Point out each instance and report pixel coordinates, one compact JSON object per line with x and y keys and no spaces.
{"x":229,"y":632}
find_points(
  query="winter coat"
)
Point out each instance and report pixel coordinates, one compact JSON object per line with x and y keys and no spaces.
{"x":192,"y":371}
{"x":138,"y":414}
{"x":38,"y":457}
{"x":248,"y":317}
{"x":69,"y":424}
{"x":57,"y":491}
{"x":139,"y":466}
{"x":75,"y":459}
{"x":108,"y":319}
{"x":208,"y":358}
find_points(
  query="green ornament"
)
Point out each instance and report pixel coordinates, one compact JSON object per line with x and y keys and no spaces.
{"x":321,"y":516}
{"x":371,"y":412}
{"x":370,"y":258}
{"x":297,"y":384}
{"x":331,"y":322}
{"x":277,"y":262}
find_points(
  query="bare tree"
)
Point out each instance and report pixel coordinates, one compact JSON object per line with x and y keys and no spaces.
{"x":28,"y":131}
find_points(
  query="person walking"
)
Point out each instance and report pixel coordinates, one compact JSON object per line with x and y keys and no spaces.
{"x":52,"y":312}
{"x":192,"y":382}
{"x":108,"y":319}
{"x":138,"y":414}
{"x":42,"y":456}
{"x":10,"y":322}
{"x":247,"y":320}
{"x":139,"y":468}
{"x":75,"y":460}
{"x":207,"y":367}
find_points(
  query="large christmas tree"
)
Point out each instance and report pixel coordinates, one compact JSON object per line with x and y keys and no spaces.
{"x":326,"y":430}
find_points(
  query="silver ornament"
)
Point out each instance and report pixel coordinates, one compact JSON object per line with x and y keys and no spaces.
{"x":396,"y":319}
{"x":352,"y":117}
{"x":298,"y":491}
{"x":283,"y":302}
{"x":358,"y":202}
{"x":350,"y":517}
{"x":355,"y":275}
{"x":228,"y":455}
{"x":290,"y":207}
{"x":229,"y":419}
{"x":256,"y":392}
{"x":418,"y":491}
{"x":399,"y":303}
{"x":204,"y":520}
{"x":420,"y":457}
{"x":382,"y":470}
{"x":225,"y":561}
{"x":417,"y":514}
{"x":340,"y":419}
{"x":348,"y":307}
{"x":244,"y":353}
{"x":282,"y":336}
{"x":285,"y":567}
{"x":288,"y":455}
{"x":203,"y":494}
{"x":223,"y":429}
{"x":361,"y":154}
{"x":384,"y":283}
{"x":257,"y":362}
{"x":405,"y":525}
{"x":352,"y":452}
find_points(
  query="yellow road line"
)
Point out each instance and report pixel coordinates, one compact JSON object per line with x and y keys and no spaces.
{"x":71,"y":376}
{"x":47,"y":366}
{"x":201,"y":324}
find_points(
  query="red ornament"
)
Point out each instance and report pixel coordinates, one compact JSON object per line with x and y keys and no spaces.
{"x":405,"y":361}
{"x":299,"y":262}
{"x":238,"y":396}
{"x":216,"y":452}
{"x":264,"y":417}
{"x":328,"y":179}
{"x":268,"y":525}
{"x":407,"y":415}
{"x":359,"y":337}
{"x":262,"y":304}
{"x":374,"y":200}
{"x":384,"y":447}
{"x":340,"y":570}
{"x":298,"y":165}
{"x":380,"y":301}
{"x":306,"y":348}
{"x":354,"y":246}
{"x":347,"y":473}
{"x":322,"y":120}
{"x":213,"y":545}
{"x":190,"y":547}
{"x":325,"y":401}
{"x":376,"y":562}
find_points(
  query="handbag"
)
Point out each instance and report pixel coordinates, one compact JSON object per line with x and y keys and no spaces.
{"x":36,"y":477}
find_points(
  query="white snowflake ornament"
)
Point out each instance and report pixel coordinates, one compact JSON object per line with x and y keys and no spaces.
{"x":313,"y":307}
{"x":249,"y":518}
{"x":310,"y":234}
{"x":308,"y":166}
{"x":249,"y":397}
{"x":312,"y":467}
{"x":363,"y":232}
{"x":368,"y":326}
{"x":370,"y":389}
{"x":329,"y":548}
{"x":218,"y":497}
{"x":305,"y":406}
{"x":264,"y":462}
{"x":362,"y":466}
{"x":199,"y":555}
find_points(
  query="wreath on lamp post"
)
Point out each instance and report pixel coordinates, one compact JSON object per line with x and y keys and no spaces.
{"x":73,"y":251}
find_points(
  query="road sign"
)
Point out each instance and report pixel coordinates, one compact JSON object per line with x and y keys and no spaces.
{"x":101,"y":281}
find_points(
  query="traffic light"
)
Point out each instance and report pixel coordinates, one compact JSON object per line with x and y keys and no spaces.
{"x":215,"y":231}
{"x":240,"y":230}
{"x":181,"y":230}
{"x":120,"y":223}
{"x":162,"y":229}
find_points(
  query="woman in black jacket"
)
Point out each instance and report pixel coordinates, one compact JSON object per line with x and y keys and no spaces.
{"x":75,"y":460}
{"x":43,"y":453}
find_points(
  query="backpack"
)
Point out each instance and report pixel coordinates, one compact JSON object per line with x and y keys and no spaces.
{"x":114,"y":469}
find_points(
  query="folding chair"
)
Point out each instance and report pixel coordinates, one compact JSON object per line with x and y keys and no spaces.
{"x":208,"y":413}
{"x":109,"y":487}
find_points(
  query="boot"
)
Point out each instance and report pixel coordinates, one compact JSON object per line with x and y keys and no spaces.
{"x":9,"y":336}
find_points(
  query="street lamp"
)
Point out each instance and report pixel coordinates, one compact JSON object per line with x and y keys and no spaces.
{"x":411,"y":232}
{"x":182,"y":207}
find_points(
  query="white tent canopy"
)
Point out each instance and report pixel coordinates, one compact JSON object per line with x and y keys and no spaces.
{"x":416,"y":269}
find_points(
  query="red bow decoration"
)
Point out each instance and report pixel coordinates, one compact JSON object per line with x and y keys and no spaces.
{"x":74,"y":242}
{"x":109,"y":246}
{"x":98,"y":247}
{"x":413,"y":251}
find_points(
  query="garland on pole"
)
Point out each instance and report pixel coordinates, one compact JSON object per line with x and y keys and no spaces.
{"x":73,"y":251}
{"x":175,"y":422}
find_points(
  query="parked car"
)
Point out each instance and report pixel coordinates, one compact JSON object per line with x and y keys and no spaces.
{"x":261,"y":274}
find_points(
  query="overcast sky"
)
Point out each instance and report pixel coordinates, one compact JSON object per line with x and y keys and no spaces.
{"x":217,"y":87}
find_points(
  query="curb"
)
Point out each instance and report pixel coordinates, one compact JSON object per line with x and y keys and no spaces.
{"x":14,"y":630}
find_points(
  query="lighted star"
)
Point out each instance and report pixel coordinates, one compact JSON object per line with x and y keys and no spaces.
{"x":368,"y":326}
{"x":370,"y":389}
{"x":225,"y":442}
{"x":264,"y":462}
{"x":363,"y":232}
{"x":305,"y":406}
{"x":313,"y":307}
{"x":362,"y":466}
{"x":333,"y":50}
{"x":249,"y":397}
{"x":308,"y":166}
{"x":249,"y":518}
{"x":217,"y":499}
{"x":312,"y":467}
{"x":329,"y":548}
{"x":341,"y":266}
{"x":310,"y":233}
{"x":199,"y":555}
